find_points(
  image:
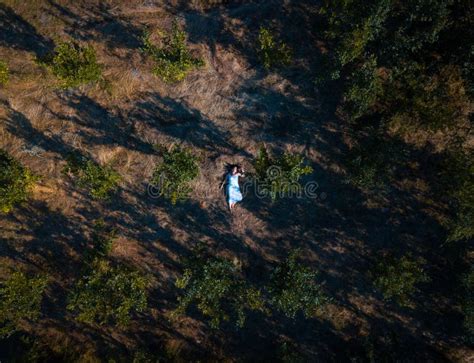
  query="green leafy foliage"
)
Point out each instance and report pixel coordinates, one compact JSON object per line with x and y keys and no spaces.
{"x":353,"y":24}
{"x":16,"y":182}
{"x":4,"y":73}
{"x":468,"y":304}
{"x":219,"y":291}
{"x":278,"y":176}
{"x":457,"y":181}
{"x":273,"y":53}
{"x":397,"y":278}
{"x":365,"y":87}
{"x":101,"y":181}
{"x":73,"y":64}
{"x":102,"y":241}
{"x":173,"y":175}
{"x":173,"y":60}
{"x":108,"y":294}
{"x":372,"y":163}
{"x":426,"y":101}
{"x":293,"y":288}
{"x":20,"y":298}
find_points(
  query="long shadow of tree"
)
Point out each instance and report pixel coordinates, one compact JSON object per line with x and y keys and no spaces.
{"x":17,"y":33}
{"x":98,"y":22}
{"x":178,"y":120}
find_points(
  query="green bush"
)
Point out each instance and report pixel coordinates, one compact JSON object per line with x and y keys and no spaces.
{"x":99,"y":180}
{"x":20,"y":298}
{"x":397,"y":278}
{"x":468,"y":304}
{"x":364,"y":89}
{"x":280,"y":175}
{"x":73,"y":64}
{"x":173,"y":175}
{"x":219,"y":292}
{"x":102,"y":241}
{"x":16,"y":182}
{"x":426,"y":100}
{"x":293,"y":288}
{"x":456,"y":179}
{"x":4,"y":73}
{"x":108,"y":294}
{"x":173,"y":61}
{"x":272,"y":53}
{"x":372,"y":163}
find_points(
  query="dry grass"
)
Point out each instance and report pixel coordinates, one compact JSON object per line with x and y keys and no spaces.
{"x":223,"y":112}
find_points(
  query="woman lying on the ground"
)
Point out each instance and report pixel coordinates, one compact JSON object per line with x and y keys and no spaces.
{"x":232,"y":188}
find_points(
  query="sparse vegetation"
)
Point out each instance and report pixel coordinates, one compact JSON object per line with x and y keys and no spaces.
{"x":73,"y":64}
{"x":272,"y":52}
{"x":4,"y":73}
{"x":377,"y":94}
{"x":108,"y":294}
{"x":16,"y":182}
{"x":20,"y":299}
{"x":173,"y":175}
{"x":218,"y":290}
{"x":100,"y":181}
{"x":293,"y":288}
{"x":279,"y":176}
{"x":173,"y":60}
{"x":398,"y":278}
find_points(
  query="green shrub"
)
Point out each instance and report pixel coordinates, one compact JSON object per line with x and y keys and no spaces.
{"x":99,"y":180}
{"x":272,"y":53}
{"x":73,"y":64}
{"x":468,"y":304}
{"x":4,"y":73}
{"x":456,"y":179}
{"x":108,"y":294}
{"x":397,"y":278}
{"x":364,"y":89}
{"x":173,"y":175}
{"x":372,"y":163}
{"x":426,"y":100}
{"x":102,"y":241}
{"x":173,"y":61}
{"x":293,"y":288}
{"x":20,"y":298}
{"x":16,"y":182}
{"x":219,"y":292}
{"x":280,"y":175}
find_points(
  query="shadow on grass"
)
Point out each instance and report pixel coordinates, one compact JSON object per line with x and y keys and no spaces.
{"x":17,"y":33}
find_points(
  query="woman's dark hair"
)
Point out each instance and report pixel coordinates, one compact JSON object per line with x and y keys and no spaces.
{"x":230,"y":167}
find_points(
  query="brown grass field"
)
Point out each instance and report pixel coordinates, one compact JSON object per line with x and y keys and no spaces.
{"x":224,"y":112}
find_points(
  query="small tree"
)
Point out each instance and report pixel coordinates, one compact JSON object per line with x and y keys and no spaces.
{"x":397,"y":278}
{"x":4,"y":73}
{"x":293,"y":288}
{"x":272,"y":53}
{"x":173,"y":175}
{"x":101,"y":181}
{"x":280,"y":175}
{"x":108,"y":294}
{"x":16,"y":182}
{"x":20,"y":298}
{"x":218,"y":290}
{"x":173,"y":61}
{"x":73,"y":64}
{"x":364,"y":89}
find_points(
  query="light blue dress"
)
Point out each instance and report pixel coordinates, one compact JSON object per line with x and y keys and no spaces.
{"x":233,"y":190}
